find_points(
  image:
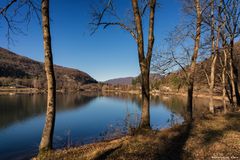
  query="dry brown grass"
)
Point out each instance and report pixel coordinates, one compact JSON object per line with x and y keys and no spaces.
{"x":146,"y":144}
{"x":214,"y":137}
{"x":86,"y":152}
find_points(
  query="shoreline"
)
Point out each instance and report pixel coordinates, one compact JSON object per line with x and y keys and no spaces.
{"x":29,"y":91}
{"x":100,"y":150}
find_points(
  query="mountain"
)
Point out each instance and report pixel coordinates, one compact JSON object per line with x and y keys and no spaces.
{"x":130,"y":80}
{"x":122,"y":81}
{"x":20,"y":71}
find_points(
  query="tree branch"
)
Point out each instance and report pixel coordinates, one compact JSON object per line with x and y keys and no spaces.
{"x":123,"y":26}
{"x":138,"y":23}
{"x":151,"y":29}
{"x":7,"y":6}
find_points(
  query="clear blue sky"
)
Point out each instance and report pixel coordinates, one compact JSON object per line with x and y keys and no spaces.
{"x":107,"y":54}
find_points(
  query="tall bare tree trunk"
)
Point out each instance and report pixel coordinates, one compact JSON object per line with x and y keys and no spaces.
{"x":47,"y":135}
{"x":229,"y":89}
{"x":212,"y":81}
{"x":224,"y":64}
{"x":233,"y":89}
{"x":234,"y":73}
{"x":145,"y":118}
{"x":224,"y":80}
{"x":144,"y":61}
{"x":213,"y":58}
{"x":193,"y":61}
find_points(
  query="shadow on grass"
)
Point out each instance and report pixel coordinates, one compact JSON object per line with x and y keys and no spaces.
{"x":169,"y":144}
{"x":105,"y":154}
{"x":151,"y":145}
{"x":210,"y":136}
{"x":213,"y":135}
{"x":174,"y":149}
{"x":234,"y":121}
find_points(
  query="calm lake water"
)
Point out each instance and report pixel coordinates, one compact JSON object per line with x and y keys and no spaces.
{"x":80,"y":119}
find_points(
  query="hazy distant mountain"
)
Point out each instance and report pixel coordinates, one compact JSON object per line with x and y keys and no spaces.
{"x":128,"y":80}
{"x":23,"y":71}
{"x":123,"y":81}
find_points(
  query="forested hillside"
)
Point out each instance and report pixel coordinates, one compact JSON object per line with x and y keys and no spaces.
{"x":19,"y":71}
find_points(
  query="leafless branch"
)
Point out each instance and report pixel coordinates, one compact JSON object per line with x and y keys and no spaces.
{"x":108,"y":10}
{"x":4,"y":9}
{"x":18,"y":12}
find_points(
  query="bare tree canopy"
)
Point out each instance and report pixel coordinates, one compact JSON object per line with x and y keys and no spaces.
{"x":14,"y":13}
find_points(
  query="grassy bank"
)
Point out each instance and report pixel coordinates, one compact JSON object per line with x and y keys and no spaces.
{"x":146,"y":144}
{"x":214,"y":137}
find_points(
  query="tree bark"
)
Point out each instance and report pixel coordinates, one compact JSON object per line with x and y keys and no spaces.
{"x":193,"y":61}
{"x":224,"y":80}
{"x":234,"y":73}
{"x":212,"y":81}
{"x":190,"y":102}
{"x":144,"y":62}
{"x":233,"y":89}
{"x":47,"y":135}
{"x":145,"y":117}
{"x":213,"y":58}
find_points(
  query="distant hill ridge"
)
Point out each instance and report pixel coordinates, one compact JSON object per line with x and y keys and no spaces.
{"x":122,"y":81}
{"x":129,"y":80}
{"x":22,"y":71}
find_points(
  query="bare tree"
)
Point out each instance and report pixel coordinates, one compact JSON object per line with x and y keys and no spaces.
{"x":228,"y":29}
{"x":17,"y":12}
{"x":33,"y":7}
{"x":224,"y":66}
{"x":175,"y":54}
{"x":135,"y":28}
{"x":213,"y":58}
{"x":223,"y":61}
{"x":211,"y":21}
{"x":188,"y":66}
{"x":232,"y":14}
{"x":47,"y":136}
{"x":193,"y":60}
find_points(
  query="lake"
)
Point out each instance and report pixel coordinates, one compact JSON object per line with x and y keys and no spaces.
{"x":80,"y":119}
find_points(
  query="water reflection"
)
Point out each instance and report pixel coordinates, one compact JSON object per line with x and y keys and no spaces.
{"x":81,"y":118}
{"x":21,"y":107}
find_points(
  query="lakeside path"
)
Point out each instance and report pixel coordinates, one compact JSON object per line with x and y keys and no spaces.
{"x":208,"y":137}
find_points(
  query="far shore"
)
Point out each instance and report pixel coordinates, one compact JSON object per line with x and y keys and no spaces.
{"x":16,"y":91}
